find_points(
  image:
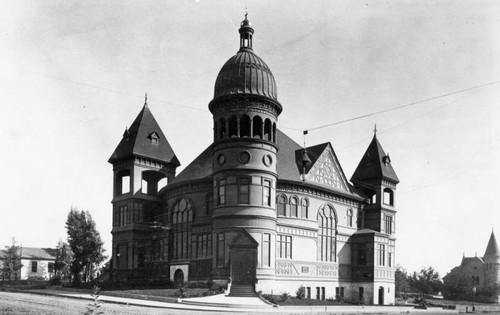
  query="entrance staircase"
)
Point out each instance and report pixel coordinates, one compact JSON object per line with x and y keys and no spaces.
{"x":242,"y":290}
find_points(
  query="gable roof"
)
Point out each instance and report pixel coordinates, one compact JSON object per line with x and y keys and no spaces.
{"x":375,"y":165}
{"x":492,"y":248}
{"x":35,"y":253}
{"x":138,"y":140}
{"x":201,"y":167}
{"x":289,"y":164}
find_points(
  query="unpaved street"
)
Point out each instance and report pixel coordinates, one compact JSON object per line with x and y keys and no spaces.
{"x":25,"y":303}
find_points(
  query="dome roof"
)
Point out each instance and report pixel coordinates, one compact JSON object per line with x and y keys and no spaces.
{"x":245,"y":73}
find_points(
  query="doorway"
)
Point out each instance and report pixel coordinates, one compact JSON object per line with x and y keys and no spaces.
{"x":361,"y":293}
{"x":178,"y":277}
{"x":381,"y":295}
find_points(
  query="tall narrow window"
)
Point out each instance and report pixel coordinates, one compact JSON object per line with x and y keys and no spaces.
{"x":233,"y":127}
{"x":281,"y":204}
{"x":389,"y":259}
{"x":284,"y":246}
{"x":222,"y":128}
{"x":220,"y":250}
{"x":266,"y":250}
{"x":182,"y":217}
{"x":381,"y":254}
{"x":304,"y":208}
{"x":257,"y":127}
{"x":349,"y":217}
{"x":245,"y":126}
{"x":244,"y":190}
{"x":388,"y":224}
{"x":34,"y":266}
{"x":266,"y":198}
{"x":294,"y":207}
{"x":221,"y":192}
{"x":327,"y":223}
{"x":267,"y":130}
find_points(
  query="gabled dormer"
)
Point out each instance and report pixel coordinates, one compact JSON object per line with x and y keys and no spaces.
{"x":322,"y":167}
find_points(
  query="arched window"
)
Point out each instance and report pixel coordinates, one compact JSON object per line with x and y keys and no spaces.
{"x":327,"y":224}
{"x":349,"y":217}
{"x":304,"y":208}
{"x":222,"y":128}
{"x":294,"y":207}
{"x":267,"y":130}
{"x":257,"y":127}
{"x":245,"y":126}
{"x":274,"y":132}
{"x":182,"y":217}
{"x":233,"y":127}
{"x":388,"y":197}
{"x":281,"y":204}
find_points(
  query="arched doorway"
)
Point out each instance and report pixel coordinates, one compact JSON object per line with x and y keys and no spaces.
{"x":361,"y":294}
{"x":381,"y":295}
{"x":178,"y":277}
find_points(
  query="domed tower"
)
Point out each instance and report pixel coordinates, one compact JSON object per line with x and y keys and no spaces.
{"x":245,"y":109}
{"x":492,"y":261}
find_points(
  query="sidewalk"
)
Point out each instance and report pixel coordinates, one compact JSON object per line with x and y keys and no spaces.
{"x":222,"y":303}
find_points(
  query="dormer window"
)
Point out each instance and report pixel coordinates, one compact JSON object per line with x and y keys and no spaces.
{"x":154,"y":138}
{"x":387,"y":160}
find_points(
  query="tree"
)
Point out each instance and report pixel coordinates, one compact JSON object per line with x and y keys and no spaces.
{"x":427,"y":281}
{"x":401,"y":280}
{"x":85,"y":242}
{"x":457,"y":285}
{"x":64,"y":259}
{"x":11,"y":262}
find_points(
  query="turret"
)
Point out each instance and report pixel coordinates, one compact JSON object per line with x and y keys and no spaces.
{"x":376,"y":177}
{"x":142,"y":163}
{"x":244,"y":152}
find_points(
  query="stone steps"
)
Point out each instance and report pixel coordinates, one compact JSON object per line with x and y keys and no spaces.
{"x":242,"y":291}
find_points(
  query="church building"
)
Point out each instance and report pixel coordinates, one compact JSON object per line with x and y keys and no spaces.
{"x":255,"y":211}
{"x":483,"y":272}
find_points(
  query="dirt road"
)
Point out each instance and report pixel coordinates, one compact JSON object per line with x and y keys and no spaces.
{"x":25,"y":303}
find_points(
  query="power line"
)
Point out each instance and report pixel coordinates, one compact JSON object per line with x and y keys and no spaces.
{"x":402,"y":106}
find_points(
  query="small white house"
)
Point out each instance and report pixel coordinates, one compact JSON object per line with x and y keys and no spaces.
{"x":37,"y":263}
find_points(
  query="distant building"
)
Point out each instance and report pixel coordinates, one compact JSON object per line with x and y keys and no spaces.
{"x":37,"y":263}
{"x":254,"y":207}
{"x":483,"y":271}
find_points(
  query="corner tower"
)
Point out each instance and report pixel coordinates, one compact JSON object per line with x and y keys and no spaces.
{"x":141,"y":162}
{"x":245,"y":110}
{"x":377,"y":179}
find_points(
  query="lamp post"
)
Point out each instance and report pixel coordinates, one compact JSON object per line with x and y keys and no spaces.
{"x":473,"y":298}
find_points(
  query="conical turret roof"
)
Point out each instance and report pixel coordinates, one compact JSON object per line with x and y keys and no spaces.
{"x":492,"y":248}
{"x":375,"y":165}
{"x":145,"y":139}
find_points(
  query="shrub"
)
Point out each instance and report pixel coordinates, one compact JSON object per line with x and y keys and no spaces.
{"x":285,"y":296}
{"x":271,"y":298}
{"x":301,"y":293}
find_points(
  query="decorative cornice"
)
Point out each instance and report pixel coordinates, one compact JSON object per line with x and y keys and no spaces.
{"x":262,"y":104}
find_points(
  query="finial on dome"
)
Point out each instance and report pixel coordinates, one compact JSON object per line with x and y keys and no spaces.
{"x":246,"y":33}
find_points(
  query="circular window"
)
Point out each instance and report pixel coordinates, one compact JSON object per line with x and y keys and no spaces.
{"x":221,"y":159}
{"x":268,"y":160}
{"x":244,"y":157}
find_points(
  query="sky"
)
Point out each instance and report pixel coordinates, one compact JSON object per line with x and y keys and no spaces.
{"x":73,"y":75}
